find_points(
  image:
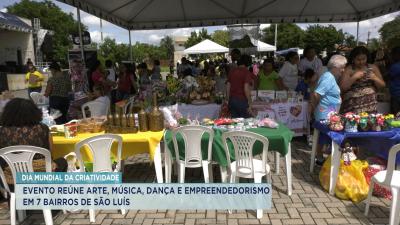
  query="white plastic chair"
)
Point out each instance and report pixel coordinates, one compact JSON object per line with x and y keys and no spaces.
{"x":389,"y":178}
{"x":193,"y":156}
{"x":95,"y":109}
{"x":20,"y":158}
{"x":39,"y":98}
{"x":100,"y":149}
{"x":245,"y":165}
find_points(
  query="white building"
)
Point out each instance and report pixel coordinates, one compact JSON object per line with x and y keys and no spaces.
{"x":179,"y":45}
{"x":16,"y":40}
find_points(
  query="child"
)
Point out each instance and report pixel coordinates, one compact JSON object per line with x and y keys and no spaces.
{"x":306,"y":84}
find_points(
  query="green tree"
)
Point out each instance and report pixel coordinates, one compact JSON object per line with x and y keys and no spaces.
{"x":323,"y":37}
{"x":167,"y":45}
{"x":221,"y":37}
{"x":390,"y":33}
{"x":289,"y":35}
{"x":51,"y":18}
{"x":350,"y":40}
{"x":143,"y":52}
{"x":196,"y":38}
{"x":109,"y":49}
{"x":373,"y":44}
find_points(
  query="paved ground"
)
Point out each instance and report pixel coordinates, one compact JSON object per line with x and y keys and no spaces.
{"x":309,"y":203}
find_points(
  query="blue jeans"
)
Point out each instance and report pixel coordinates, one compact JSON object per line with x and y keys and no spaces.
{"x":238,"y":107}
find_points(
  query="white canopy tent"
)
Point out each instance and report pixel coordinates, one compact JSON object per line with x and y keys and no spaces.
{"x":205,"y":47}
{"x":162,"y":14}
{"x":264,"y":47}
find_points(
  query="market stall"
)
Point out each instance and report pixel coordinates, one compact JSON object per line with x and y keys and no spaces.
{"x":279,"y":141}
{"x":374,"y":133}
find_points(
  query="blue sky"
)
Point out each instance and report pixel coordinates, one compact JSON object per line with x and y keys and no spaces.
{"x":154,"y":36}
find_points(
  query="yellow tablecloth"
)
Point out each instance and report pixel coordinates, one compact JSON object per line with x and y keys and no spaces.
{"x":141,"y":142}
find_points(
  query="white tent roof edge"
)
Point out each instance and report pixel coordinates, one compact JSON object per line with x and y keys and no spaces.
{"x":206,"y":46}
{"x":375,"y":9}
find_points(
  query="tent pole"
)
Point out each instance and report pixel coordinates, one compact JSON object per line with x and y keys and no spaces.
{"x":130,"y":46}
{"x":80,"y":36}
{"x":358,"y":29}
{"x":276,"y":37}
{"x":101,"y":30}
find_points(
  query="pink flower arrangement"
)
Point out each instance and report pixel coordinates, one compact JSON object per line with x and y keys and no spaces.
{"x":352,"y":118}
{"x":380,"y":119}
{"x":334,"y":117}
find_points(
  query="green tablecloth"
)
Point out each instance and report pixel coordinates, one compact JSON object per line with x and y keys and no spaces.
{"x":278,"y":141}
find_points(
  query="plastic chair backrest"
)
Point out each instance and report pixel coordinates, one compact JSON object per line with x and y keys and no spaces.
{"x":243,"y":142}
{"x":391,"y":163}
{"x":38,"y":98}
{"x":128,"y":105}
{"x":20,"y":159}
{"x":192,"y":141}
{"x":95,"y":108}
{"x":100,"y":148}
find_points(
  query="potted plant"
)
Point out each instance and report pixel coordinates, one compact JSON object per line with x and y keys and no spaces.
{"x":364,"y":124}
{"x":352,"y":121}
{"x":388,"y":121}
{"x":335,"y":121}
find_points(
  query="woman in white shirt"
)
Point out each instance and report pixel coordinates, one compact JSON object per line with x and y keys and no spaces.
{"x":99,"y":96}
{"x":289,"y":71}
{"x":310,"y":61}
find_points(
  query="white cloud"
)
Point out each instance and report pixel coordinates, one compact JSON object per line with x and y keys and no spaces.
{"x":96,"y":36}
{"x":155,"y":38}
{"x":4,"y":10}
{"x":91,"y":20}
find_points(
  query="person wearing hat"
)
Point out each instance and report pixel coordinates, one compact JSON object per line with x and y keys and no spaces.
{"x":58,"y":88}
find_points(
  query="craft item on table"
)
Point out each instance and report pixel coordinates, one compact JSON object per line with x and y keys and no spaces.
{"x":388,"y":121}
{"x":352,"y":121}
{"x":208,"y":122}
{"x":48,"y":118}
{"x":156,"y":118}
{"x":223,"y":121}
{"x":351,"y":183}
{"x":91,"y":125}
{"x":395,"y":123}
{"x":70,"y":129}
{"x":120,"y":123}
{"x":267,"y":95}
{"x":364,"y":124}
{"x":377,"y":121}
{"x":267,"y":122}
{"x":335,"y":121}
{"x":281,"y":95}
{"x":348,"y":154}
{"x":142,"y":117}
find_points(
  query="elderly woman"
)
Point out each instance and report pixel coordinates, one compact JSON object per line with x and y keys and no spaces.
{"x":326,"y":97}
{"x":359,"y":83}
